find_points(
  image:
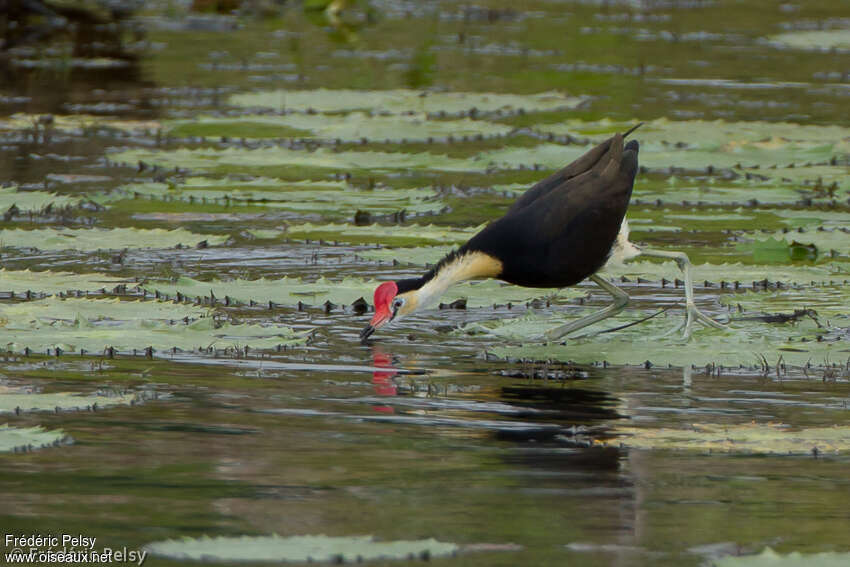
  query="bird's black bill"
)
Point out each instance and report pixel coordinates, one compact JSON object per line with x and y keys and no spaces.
{"x":366,"y":333}
{"x":632,"y":129}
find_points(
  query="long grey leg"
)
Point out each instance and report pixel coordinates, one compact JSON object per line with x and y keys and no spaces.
{"x":621,"y":299}
{"x":693,"y":314}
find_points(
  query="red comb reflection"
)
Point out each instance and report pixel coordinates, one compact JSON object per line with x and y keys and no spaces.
{"x":383,"y":379}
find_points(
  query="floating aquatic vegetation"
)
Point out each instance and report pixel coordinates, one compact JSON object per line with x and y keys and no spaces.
{"x":88,"y":239}
{"x":813,"y":218}
{"x":291,"y":291}
{"x":746,"y":342}
{"x":402,"y":100}
{"x":773,"y":152}
{"x":256,"y":160}
{"x":33,"y":201}
{"x":720,"y":192}
{"x":420,"y":255}
{"x":830,"y":302}
{"x":770,"y":438}
{"x":391,"y":235}
{"x":12,"y":438}
{"x":77,"y":123}
{"x":698,"y":144}
{"x":76,"y":324}
{"x":745,"y":274}
{"x":329,"y":198}
{"x":770,"y":558}
{"x":348,"y":128}
{"x":14,"y":400}
{"x":307,"y":548}
{"x":815,"y":40}
{"x":22,"y":281}
{"x":824,"y":241}
{"x":709,"y":135}
{"x":741,"y":146}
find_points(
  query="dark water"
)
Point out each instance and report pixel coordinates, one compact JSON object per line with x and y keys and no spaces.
{"x":416,"y":435}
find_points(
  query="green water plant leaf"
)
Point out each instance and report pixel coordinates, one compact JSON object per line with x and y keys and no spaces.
{"x":747,"y":341}
{"x":21,"y":281}
{"x":74,"y":324}
{"x":329,"y":198}
{"x":398,"y":235}
{"x":759,"y":438}
{"x":305,"y":548}
{"x":78,"y":123}
{"x":402,"y":100}
{"x":824,"y":243}
{"x":656,"y":271}
{"x":819,"y":40}
{"x":733,"y":271}
{"x":89,"y":239}
{"x":419,"y":255}
{"x":13,"y":400}
{"x":779,"y":153}
{"x":830,"y":302}
{"x":350,"y":127}
{"x":770,"y":558}
{"x":230,"y":160}
{"x":290,"y":291}
{"x":33,"y":200}
{"x":12,"y":438}
{"x":707,"y":135}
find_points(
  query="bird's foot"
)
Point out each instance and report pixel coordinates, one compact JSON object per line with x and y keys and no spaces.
{"x":694,"y":315}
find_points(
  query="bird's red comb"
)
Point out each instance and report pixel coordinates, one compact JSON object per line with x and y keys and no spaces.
{"x":384,"y":293}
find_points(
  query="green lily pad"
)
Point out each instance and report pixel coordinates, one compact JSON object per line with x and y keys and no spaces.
{"x":239,"y":159}
{"x":290,"y":291}
{"x":332,"y":199}
{"x":747,"y":154}
{"x":75,"y":324}
{"x":746,"y":342}
{"x":89,"y":239}
{"x":743,"y":273}
{"x":12,"y":438}
{"x":419,"y":255}
{"x":398,"y":235}
{"x":308,"y":548}
{"x":33,"y":201}
{"x":823,"y":240}
{"x":750,"y":438}
{"x":78,"y":123}
{"x":13,"y":400}
{"x":698,"y":144}
{"x":402,"y":100}
{"x":770,"y":558}
{"x":21,"y":281}
{"x":830,"y":302}
{"x":820,"y":40}
{"x":707,"y":135}
{"x":349,"y":127}
{"x":656,"y":271}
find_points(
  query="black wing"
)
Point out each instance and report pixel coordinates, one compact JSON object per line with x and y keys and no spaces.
{"x":565,"y":233}
{"x":579,"y":166}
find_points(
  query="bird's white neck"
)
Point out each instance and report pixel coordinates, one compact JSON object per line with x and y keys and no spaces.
{"x":467,"y":266}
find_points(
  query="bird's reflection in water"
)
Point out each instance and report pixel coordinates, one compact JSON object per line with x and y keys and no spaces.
{"x":382,"y":380}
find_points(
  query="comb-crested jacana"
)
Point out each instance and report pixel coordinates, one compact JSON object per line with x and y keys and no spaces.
{"x":561,"y":231}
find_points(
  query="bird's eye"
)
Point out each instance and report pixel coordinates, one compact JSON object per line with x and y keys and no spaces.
{"x":398,"y":302}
